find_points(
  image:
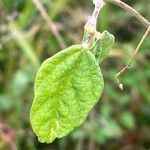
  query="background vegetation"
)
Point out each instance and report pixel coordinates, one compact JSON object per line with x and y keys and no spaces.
{"x":121,"y":119}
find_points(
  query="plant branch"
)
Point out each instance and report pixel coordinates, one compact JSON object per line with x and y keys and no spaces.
{"x":90,"y":26}
{"x":131,"y":61}
{"x":51,"y":24}
{"x":92,"y":22}
{"x":144,"y":21}
{"x":132,"y":11}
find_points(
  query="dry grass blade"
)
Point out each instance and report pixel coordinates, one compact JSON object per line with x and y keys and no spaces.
{"x":51,"y":24}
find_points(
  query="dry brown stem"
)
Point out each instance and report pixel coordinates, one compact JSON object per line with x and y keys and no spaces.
{"x":51,"y":24}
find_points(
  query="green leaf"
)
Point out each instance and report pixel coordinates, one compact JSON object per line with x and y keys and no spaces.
{"x":67,"y":87}
{"x":103,"y":46}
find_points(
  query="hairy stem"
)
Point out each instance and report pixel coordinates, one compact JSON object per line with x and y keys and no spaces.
{"x":90,"y":26}
{"x":92,"y":22}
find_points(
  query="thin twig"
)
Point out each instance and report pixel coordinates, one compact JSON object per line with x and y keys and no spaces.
{"x":132,"y":11}
{"x":51,"y":24}
{"x":131,"y":61}
{"x":144,"y":21}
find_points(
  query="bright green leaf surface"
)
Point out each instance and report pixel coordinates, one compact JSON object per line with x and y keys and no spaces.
{"x":103,"y":46}
{"x":67,"y":86}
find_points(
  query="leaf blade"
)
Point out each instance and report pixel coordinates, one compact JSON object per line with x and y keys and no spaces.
{"x":103,"y":46}
{"x":65,"y":91}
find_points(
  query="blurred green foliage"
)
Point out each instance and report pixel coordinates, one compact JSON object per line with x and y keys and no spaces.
{"x":121,"y":119}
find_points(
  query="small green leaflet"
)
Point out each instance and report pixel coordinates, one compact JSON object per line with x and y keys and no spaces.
{"x":103,"y":46}
{"x":67,"y":87}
